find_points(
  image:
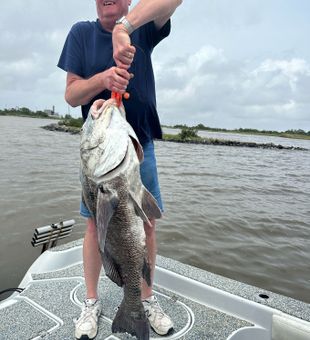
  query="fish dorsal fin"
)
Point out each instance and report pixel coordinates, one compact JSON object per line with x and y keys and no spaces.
{"x":149,"y":209}
{"x":107,"y":201}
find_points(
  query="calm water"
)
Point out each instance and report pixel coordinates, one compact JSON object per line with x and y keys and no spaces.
{"x":240,"y":212}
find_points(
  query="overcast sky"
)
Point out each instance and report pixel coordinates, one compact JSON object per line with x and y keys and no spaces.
{"x":228,"y":64}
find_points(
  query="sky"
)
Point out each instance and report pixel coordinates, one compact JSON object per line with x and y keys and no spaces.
{"x":226,"y":64}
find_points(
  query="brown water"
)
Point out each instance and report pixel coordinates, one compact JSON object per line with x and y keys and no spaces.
{"x":240,"y":212}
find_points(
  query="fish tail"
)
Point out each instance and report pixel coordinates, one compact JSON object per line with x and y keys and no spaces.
{"x":134,"y":323}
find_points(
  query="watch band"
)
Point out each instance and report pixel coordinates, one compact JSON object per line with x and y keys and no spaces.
{"x":126,"y":23}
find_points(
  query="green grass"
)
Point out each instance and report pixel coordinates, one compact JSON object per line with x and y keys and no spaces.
{"x":296,"y":134}
{"x":72,"y":122}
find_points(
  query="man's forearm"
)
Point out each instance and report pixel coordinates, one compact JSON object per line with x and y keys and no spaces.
{"x":151,"y":10}
{"x":80,"y":91}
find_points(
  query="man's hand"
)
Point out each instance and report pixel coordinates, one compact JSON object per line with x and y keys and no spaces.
{"x":123,"y":52}
{"x":116,"y":79}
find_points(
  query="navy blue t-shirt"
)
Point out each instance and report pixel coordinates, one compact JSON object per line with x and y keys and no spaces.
{"x":88,"y":50}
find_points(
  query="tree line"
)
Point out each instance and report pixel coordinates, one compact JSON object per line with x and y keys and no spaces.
{"x":243,"y":130}
{"x":70,"y":121}
{"x":23,"y":111}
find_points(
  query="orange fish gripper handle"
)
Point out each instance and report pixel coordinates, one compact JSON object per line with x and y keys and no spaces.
{"x":118,"y":97}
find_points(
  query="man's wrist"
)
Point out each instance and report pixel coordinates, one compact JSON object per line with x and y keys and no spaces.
{"x":126,"y":24}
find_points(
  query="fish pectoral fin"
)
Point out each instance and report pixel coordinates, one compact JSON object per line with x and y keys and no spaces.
{"x":149,"y":209}
{"x":139,"y":211}
{"x":111,"y":268}
{"x":149,"y":205}
{"x":106,"y":205}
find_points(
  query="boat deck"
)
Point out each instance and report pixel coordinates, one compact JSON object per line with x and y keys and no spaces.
{"x":202,"y":305}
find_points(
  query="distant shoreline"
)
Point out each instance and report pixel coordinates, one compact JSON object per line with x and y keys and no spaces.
{"x":32,"y":115}
{"x":175,"y":138}
{"x":292,"y":134}
{"x":251,"y":132}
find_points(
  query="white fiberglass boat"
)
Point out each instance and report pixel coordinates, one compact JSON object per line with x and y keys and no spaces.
{"x":204,"y":306}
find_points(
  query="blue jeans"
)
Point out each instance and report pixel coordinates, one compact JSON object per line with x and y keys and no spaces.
{"x":149,"y":177}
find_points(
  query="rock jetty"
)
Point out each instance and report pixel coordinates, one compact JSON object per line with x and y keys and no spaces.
{"x":211,"y":141}
{"x":176,"y":139}
{"x":62,"y":128}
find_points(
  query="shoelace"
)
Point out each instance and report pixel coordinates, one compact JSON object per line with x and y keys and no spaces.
{"x":86,"y":312}
{"x":156,"y":307}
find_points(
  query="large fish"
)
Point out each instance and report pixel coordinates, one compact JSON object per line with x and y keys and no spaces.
{"x":114,"y":194}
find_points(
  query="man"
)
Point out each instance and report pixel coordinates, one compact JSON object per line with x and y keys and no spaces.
{"x":128,"y":37}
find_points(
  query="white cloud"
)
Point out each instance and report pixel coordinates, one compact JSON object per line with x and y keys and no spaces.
{"x":215,"y":89}
{"x":291,"y":69}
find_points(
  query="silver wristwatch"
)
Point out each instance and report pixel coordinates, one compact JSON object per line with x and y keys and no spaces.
{"x":126,"y":23}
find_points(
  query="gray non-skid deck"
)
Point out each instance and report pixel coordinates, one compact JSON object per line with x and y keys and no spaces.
{"x":61,"y":293}
{"x":50,"y":302}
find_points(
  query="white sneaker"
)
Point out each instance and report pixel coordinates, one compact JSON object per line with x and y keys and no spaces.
{"x":86,"y":326}
{"x":159,"y":321}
